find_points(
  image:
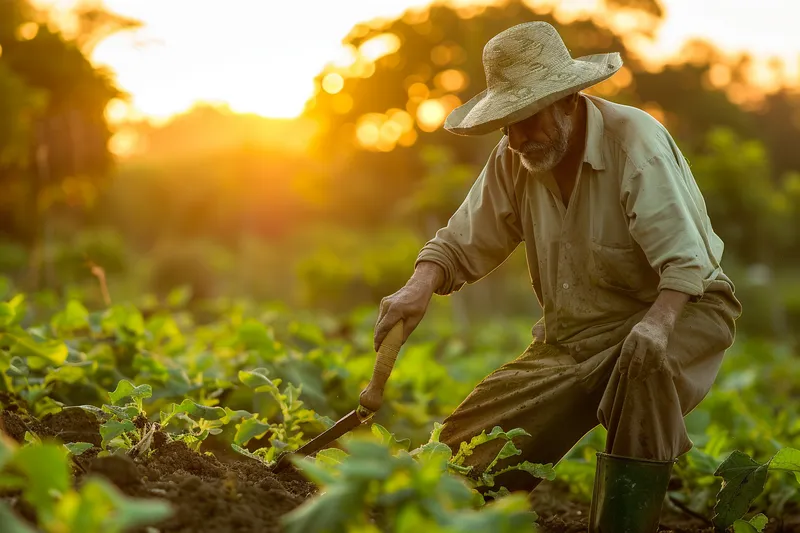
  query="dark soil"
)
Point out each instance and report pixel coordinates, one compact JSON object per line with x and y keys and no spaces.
{"x":207,"y":495}
{"x":224,"y":492}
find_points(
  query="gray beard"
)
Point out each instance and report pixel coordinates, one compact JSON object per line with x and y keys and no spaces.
{"x":547,"y":161}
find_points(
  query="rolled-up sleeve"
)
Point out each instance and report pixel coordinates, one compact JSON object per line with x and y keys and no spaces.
{"x":482,"y":232}
{"x":667,"y":218}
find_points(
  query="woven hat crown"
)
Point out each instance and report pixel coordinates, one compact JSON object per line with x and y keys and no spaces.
{"x":527,"y":67}
{"x":523,"y":53}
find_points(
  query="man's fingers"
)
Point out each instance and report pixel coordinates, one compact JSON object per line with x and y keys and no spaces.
{"x":628,"y":349}
{"x":382,"y":329}
{"x":637,"y":361}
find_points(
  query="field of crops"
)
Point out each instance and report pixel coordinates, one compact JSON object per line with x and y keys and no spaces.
{"x":168,"y":417}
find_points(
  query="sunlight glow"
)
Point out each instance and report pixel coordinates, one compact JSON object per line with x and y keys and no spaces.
{"x":262,"y":57}
{"x":379,"y":46}
{"x":431,"y":115}
{"x":333,"y":83}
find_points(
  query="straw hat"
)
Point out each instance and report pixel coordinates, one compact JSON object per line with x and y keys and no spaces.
{"x":527,"y":67}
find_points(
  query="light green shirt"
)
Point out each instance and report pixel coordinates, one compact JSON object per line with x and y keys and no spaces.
{"x":636,"y":223}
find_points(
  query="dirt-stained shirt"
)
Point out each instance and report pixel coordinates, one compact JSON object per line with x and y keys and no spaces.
{"x":636,"y":223}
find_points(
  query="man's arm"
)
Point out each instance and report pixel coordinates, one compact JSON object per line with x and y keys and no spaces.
{"x":479,"y":236}
{"x":667,"y":218}
{"x":482,"y":232}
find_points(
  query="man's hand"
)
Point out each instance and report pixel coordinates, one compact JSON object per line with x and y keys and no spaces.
{"x":645,"y":349}
{"x":410,"y":303}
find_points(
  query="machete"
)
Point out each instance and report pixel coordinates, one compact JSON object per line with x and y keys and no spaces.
{"x":370,"y":400}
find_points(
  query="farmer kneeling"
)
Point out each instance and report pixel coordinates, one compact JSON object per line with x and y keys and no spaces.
{"x":623,"y":260}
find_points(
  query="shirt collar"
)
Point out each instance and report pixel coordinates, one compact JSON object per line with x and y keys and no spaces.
{"x":594,"y":136}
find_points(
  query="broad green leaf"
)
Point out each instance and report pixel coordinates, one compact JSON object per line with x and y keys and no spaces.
{"x":127,"y":389}
{"x":73,"y":317}
{"x":508,"y":450}
{"x":200,"y":411}
{"x":40,"y":353}
{"x":129,"y":512}
{"x":250,"y":428}
{"x":389,"y":439}
{"x":46,"y":471}
{"x":465,"y":449}
{"x":330,"y":511}
{"x":542,"y":471}
{"x":433,"y":451}
{"x":123,"y":320}
{"x":17,"y":367}
{"x":787,"y":460}
{"x":258,"y":381}
{"x":247,"y":453}
{"x":307,"y":331}
{"x":127,"y":412}
{"x":511,"y":513}
{"x":12,"y":312}
{"x":331,"y":456}
{"x":71,"y":373}
{"x":8,"y":447}
{"x":235,"y":416}
{"x":77,"y":448}
{"x":499,"y":493}
{"x":113,"y":429}
{"x":743,"y":480}
{"x":12,"y":524}
{"x":754,"y":525}
{"x":368,"y":460}
{"x":254,"y":335}
{"x":7,"y":314}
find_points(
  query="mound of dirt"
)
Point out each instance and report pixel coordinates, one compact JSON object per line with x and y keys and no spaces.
{"x":207,"y":495}
{"x":225,"y":492}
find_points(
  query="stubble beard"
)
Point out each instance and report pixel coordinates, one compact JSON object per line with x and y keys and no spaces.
{"x":538,"y":158}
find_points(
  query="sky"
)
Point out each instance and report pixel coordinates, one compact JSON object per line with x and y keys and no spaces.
{"x":261,"y":56}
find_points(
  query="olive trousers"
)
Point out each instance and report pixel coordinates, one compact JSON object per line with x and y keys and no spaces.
{"x":558,"y":393}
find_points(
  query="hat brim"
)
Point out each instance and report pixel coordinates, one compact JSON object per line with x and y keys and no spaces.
{"x":488,"y":112}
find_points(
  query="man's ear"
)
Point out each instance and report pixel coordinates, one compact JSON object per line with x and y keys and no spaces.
{"x":571,"y":103}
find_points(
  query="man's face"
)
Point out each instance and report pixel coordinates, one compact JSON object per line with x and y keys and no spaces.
{"x":541,"y":140}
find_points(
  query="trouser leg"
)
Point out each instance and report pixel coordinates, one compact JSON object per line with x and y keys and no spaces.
{"x":536,"y":392}
{"x":645,"y":418}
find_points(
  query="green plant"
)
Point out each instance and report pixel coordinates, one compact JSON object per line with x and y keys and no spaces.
{"x":40,"y":471}
{"x":286,"y":434}
{"x":743,"y":480}
{"x":370,"y":488}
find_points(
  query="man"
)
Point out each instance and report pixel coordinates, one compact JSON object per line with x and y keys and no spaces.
{"x":623,"y":260}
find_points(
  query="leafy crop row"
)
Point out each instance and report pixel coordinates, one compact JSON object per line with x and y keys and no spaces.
{"x":208,"y":375}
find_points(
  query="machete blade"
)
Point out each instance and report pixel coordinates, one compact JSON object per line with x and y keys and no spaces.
{"x":345,"y":424}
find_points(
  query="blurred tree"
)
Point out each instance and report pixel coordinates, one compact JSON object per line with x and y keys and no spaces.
{"x":389,"y":94}
{"x":401,"y":79}
{"x":54,"y":139}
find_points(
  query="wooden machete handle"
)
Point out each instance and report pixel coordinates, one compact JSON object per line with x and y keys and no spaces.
{"x":372,"y":395}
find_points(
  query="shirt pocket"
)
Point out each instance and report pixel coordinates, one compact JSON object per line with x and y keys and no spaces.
{"x":622,"y":269}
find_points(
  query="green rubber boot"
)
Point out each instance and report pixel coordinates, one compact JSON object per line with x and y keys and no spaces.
{"x":628,"y":494}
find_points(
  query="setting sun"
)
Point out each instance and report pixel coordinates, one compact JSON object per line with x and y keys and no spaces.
{"x":256,"y":57}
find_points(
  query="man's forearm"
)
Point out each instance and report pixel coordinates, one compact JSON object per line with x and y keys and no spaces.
{"x":428,"y":275}
{"x":667,"y":308}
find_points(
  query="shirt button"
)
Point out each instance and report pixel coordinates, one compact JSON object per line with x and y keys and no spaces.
{"x":568,"y":245}
{"x":565,"y":286}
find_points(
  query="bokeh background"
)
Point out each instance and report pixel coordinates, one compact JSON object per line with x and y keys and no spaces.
{"x":295,"y":153}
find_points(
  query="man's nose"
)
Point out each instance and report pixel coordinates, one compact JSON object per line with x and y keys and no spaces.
{"x":516,"y":137}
